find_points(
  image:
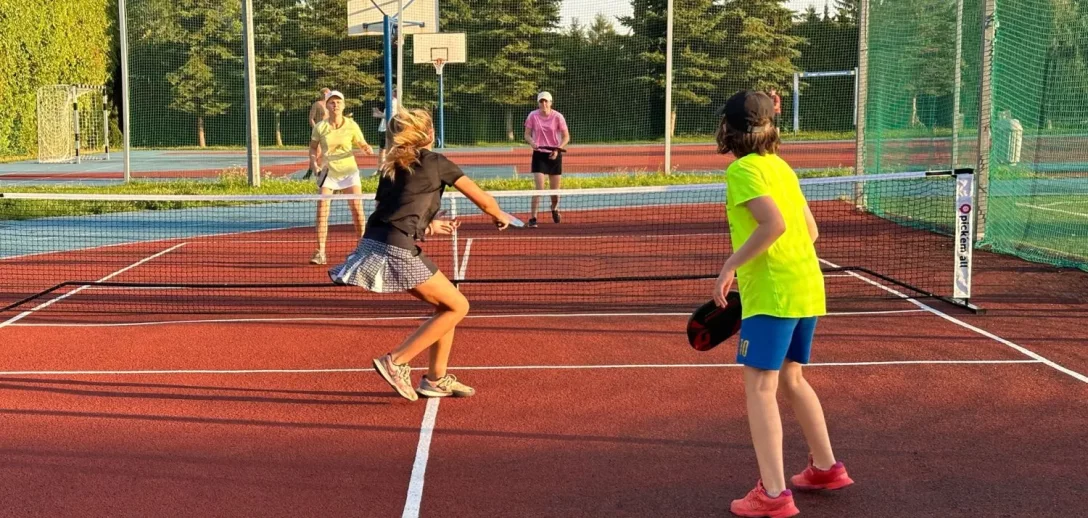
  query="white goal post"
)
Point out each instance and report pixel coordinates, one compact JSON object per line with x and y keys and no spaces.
{"x":73,"y":123}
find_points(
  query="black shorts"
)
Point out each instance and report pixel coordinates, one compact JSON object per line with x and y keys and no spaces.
{"x":542,"y":163}
{"x":381,"y":140}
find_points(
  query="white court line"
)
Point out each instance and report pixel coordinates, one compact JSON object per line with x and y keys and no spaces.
{"x":1056,"y":203}
{"x":50,"y":302}
{"x":419,"y":467}
{"x":424,"y":317}
{"x":1071,"y":213}
{"x":1023,"y":350}
{"x":464,"y":260}
{"x":501,"y":368}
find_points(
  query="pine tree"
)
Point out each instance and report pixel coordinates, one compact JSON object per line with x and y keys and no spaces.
{"x":699,"y":56}
{"x":513,"y":50}
{"x":206,"y":36}
{"x":766,"y":47}
{"x":282,"y":76}
{"x":847,"y":12}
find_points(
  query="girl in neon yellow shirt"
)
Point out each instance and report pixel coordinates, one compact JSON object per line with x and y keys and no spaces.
{"x":782,"y":294}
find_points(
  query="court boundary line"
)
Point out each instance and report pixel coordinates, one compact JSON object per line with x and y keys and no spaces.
{"x":357,"y":370}
{"x":1008,"y":343}
{"x":1039,"y":207}
{"x":419,"y":466}
{"x":426,"y":316}
{"x":50,"y":302}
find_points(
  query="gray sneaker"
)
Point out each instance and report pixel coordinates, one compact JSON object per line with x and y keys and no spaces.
{"x":445,"y":386}
{"x":398,"y":376}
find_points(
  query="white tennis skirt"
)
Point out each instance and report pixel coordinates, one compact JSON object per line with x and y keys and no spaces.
{"x":327,"y":182}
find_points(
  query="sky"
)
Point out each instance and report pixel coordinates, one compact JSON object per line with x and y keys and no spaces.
{"x":586,"y":10}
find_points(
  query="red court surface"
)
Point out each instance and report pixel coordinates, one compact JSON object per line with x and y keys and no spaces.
{"x":576,"y":415}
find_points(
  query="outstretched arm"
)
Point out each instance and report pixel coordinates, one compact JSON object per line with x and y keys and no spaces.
{"x":483,"y":200}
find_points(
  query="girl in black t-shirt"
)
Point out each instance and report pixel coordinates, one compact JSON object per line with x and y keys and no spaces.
{"x":387,"y":259}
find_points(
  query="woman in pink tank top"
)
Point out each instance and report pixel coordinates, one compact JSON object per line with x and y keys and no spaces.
{"x":546,"y":131}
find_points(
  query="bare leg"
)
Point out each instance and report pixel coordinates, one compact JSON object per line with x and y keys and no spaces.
{"x":538,"y":180}
{"x":554,"y":181}
{"x":809,"y":412}
{"x":450,"y":308}
{"x":323,"y":220}
{"x":357,"y":215}
{"x":760,"y":388}
{"x":440,"y":356}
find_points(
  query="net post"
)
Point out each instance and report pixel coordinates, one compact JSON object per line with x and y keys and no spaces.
{"x":964,"y":228}
{"x":985,"y":109}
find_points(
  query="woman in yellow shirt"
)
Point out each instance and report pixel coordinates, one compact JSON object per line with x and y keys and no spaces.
{"x":782,"y":294}
{"x":336,"y":136}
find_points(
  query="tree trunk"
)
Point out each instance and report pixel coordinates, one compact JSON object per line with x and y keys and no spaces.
{"x":279,"y":135}
{"x":200,"y":132}
{"x":672,"y":123}
{"x":509,"y":124}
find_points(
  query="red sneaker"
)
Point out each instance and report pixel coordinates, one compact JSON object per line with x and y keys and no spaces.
{"x":757,"y":504}
{"x":813,"y":478}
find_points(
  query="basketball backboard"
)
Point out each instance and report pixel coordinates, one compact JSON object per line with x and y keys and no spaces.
{"x":449,"y":47}
{"x":365,"y":16}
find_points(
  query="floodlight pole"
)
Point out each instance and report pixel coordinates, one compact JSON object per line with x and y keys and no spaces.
{"x":253,"y":143}
{"x":122,"y":19}
{"x":957,"y":86}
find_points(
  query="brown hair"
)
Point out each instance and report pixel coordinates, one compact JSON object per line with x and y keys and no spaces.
{"x":412,"y":131}
{"x":762,"y":138}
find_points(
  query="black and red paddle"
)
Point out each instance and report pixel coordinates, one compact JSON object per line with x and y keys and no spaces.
{"x":711,"y":325}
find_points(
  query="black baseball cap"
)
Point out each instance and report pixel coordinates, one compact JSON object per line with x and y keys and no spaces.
{"x":747,"y":109}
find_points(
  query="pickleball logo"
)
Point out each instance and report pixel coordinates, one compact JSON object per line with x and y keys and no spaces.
{"x":964,"y":234}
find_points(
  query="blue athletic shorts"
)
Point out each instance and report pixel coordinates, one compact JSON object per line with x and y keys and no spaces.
{"x":765,"y":341}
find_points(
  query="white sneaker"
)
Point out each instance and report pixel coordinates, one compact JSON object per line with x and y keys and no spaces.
{"x":445,"y":386}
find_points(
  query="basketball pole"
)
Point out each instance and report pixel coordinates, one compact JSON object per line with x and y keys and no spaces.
{"x":441,"y":110}
{"x":387,"y":57}
{"x":400,"y":48}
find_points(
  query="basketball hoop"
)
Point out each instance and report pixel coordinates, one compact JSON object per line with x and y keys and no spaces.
{"x":439,"y":63}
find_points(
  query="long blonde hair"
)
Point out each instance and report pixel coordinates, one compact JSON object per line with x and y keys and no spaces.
{"x":413,"y":130}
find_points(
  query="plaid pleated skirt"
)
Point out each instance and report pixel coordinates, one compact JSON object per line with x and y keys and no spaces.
{"x":383,"y":268}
